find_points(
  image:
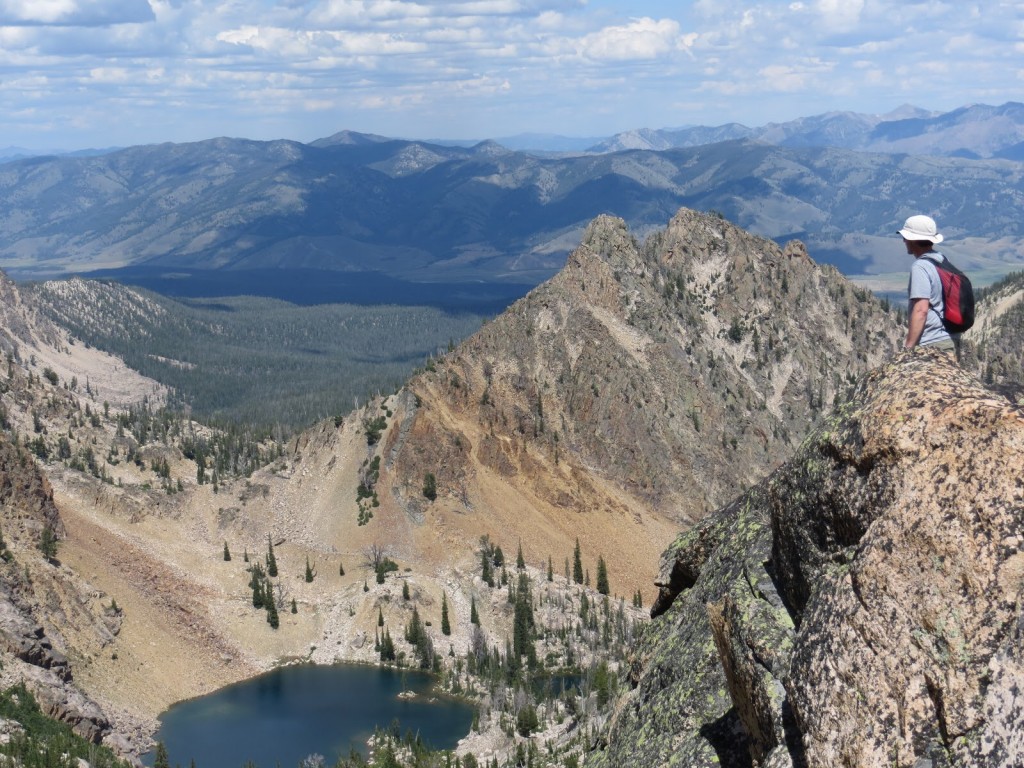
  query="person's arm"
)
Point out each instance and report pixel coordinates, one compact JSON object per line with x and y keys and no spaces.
{"x":915,"y":322}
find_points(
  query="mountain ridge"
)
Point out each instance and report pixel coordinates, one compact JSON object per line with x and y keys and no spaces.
{"x":422,"y":212}
{"x":647,"y":384}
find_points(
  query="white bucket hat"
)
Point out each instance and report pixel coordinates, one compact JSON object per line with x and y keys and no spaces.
{"x":921,"y":228}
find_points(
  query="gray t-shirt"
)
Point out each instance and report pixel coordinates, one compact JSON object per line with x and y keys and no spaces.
{"x":925,"y":283}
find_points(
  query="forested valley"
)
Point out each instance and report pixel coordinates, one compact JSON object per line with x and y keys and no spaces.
{"x":262,"y":362}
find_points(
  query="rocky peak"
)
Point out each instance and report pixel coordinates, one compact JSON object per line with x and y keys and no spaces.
{"x":682,"y":369}
{"x":861,"y":606}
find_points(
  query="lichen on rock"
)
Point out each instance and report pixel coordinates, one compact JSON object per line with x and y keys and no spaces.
{"x":859,"y":607}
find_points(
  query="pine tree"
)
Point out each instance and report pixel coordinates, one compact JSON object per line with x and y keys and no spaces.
{"x":227,"y":553}
{"x":446,"y":628}
{"x":257,"y":590}
{"x":602,"y":576}
{"x":48,"y":543}
{"x":245,"y":555}
{"x":162,"y":759}
{"x":522,"y":625}
{"x":380,"y":617}
{"x":341,"y":569}
{"x":577,"y":564}
{"x":520,"y":560}
{"x":271,"y":560}
{"x":309,"y":571}
{"x":474,"y":617}
{"x":295,"y":608}
{"x":387,"y":647}
{"x":405,"y":590}
{"x":272,"y":618}
{"x":551,"y":571}
{"x":414,"y":628}
{"x":486,"y":574}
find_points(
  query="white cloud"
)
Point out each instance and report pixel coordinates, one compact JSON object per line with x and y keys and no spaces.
{"x":109,"y":75}
{"x":455,"y":66}
{"x":84,"y":13}
{"x":840,"y":15}
{"x":641,"y":39}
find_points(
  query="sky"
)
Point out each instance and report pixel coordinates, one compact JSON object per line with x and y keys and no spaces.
{"x":78,"y":74}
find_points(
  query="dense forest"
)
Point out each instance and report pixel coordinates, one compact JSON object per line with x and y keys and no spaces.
{"x":258,"y":361}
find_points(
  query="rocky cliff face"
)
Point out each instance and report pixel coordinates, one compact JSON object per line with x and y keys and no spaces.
{"x":994,"y":347}
{"x":860,"y":607}
{"x":660,"y":378}
{"x":37,"y":598}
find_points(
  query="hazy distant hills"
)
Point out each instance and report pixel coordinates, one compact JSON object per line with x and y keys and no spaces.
{"x":976,"y":131}
{"x":414,"y":211}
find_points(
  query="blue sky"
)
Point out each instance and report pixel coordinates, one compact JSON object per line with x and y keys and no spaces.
{"x":98,"y":73}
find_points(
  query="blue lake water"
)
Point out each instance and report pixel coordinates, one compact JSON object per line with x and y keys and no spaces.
{"x":279,"y":718}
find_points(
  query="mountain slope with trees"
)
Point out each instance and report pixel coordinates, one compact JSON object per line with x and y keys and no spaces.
{"x":418,"y":212}
{"x":645,"y":385}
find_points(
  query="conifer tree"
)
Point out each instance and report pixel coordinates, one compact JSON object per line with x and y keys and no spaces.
{"x":256,"y":583}
{"x":414,"y":628}
{"x":162,"y":760}
{"x":295,"y":607}
{"x":405,"y":590}
{"x":227,"y":553}
{"x":446,"y":627}
{"x":602,"y":576}
{"x":271,"y":560}
{"x":486,"y":574}
{"x":380,"y":617}
{"x":577,"y":564}
{"x":551,"y":571}
{"x":341,"y":569}
{"x":309,"y":571}
{"x":272,"y":618}
{"x":387,"y":647}
{"x":474,"y":617}
{"x":520,"y":560}
{"x":522,"y":640}
{"x":245,"y":555}
{"x":48,"y":543}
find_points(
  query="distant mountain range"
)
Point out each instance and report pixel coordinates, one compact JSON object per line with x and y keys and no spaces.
{"x":430,"y":213}
{"x":977,"y":131}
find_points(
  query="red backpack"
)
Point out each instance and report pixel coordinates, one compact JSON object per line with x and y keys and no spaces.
{"x":957,"y":296}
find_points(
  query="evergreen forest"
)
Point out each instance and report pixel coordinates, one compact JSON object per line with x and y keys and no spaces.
{"x":257,"y":361}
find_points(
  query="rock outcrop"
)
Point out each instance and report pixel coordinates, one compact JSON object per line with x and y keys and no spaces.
{"x":28,"y":583}
{"x":860,"y":607}
{"x":639,"y":389}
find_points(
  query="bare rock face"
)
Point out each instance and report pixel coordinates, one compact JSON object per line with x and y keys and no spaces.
{"x":860,"y":607}
{"x":681,"y":370}
{"x":27,"y":654}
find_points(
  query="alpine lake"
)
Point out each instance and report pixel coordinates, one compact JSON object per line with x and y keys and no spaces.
{"x":284,"y":716}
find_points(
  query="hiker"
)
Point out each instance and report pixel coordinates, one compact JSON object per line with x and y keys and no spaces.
{"x":925,"y":325}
